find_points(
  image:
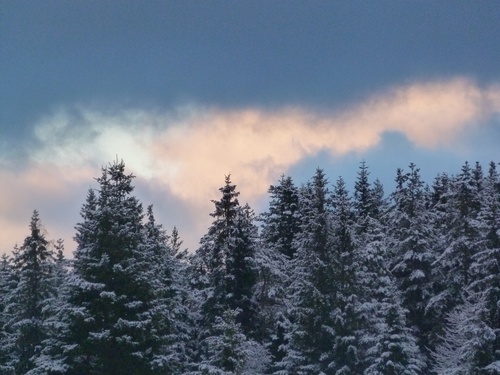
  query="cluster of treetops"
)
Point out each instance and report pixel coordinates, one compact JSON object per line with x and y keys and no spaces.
{"x":323,"y":282}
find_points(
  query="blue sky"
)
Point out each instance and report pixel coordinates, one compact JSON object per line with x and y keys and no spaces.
{"x":188,"y":91}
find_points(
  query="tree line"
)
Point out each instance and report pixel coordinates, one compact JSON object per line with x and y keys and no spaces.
{"x":323,"y":282}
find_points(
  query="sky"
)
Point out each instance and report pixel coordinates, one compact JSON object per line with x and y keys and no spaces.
{"x":187,"y":92}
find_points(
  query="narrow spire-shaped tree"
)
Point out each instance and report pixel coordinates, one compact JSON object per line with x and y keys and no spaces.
{"x":321,"y":334}
{"x":225,"y":268}
{"x":462,"y":237}
{"x":227,"y":254}
{"x":280,"y":228}
{"x":413,"y":240}
{"x":281,"y":223}
{"x":7,"y":285}
{"x":28,"y":301}
{"x":51,"y":358}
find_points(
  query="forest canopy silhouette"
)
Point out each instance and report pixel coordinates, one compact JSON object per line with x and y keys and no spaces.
{"x":324,"y":281}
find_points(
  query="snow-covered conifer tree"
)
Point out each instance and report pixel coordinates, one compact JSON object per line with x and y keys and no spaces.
{"x":51,"y":357}
{"x":281,"y":222}
{"x":462,"y":238}
{"x":227,"y":259}
{"x":7,"y":285}
{"x":322,"y":334}
{"x":466,"y":336}
{"x":305,"y":341}
{"x":413,"y":242}
{"x":280,"y":227}
{"x":387,"y":345}
{"x":114,"y":326}
{"x":225,"y":269}
{"x":484,"y":290}
{"x":27,"y":304}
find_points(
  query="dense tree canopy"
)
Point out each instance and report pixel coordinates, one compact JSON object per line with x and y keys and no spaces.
{"x":322,"y":282}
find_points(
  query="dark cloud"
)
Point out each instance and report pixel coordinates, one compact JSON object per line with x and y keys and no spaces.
{"x":231,"y":53}
{"x":115,"y":55}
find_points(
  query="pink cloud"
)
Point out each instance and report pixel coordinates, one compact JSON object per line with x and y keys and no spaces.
{"x":185,"y":154}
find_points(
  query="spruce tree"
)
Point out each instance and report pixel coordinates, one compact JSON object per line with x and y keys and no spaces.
{"x":225,"y":269}
{"x":226,"y":257}
{"x":281,"y":222}
{"x":484,"y":290}
{"x":322,"y":334}
{"x":280,"y":228}
{"x":225,"y":347}
{"x":464,"y":340}
{"x":170,"y":297}
{"x":387,"y":345}
{"x":51,"y":358}
{"x":114,"y":326}
{"x":462,"y":238}
{"x":413,"y":240}
{"x":345,"y":291}
{"x":28,"y":302}
{"x":7,"y":285}
{"x":305,"y":343}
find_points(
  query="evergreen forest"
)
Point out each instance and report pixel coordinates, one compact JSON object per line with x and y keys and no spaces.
{"x":325,"y":281}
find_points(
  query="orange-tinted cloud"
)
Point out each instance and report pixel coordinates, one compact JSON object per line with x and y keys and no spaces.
{"x":186,"y":153}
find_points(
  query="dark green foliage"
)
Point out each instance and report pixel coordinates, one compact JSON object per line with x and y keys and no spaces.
{"x":281,"y":224}
{"x":226,"y":256}
{"x":333,"y":284}
{"x":121,"y":287}
{"x":413,"y":241}
{"x":25,"y":306}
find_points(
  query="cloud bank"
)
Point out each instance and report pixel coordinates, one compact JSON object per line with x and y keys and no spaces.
{"x":191,"y":150}
{"x":184,"y":154}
